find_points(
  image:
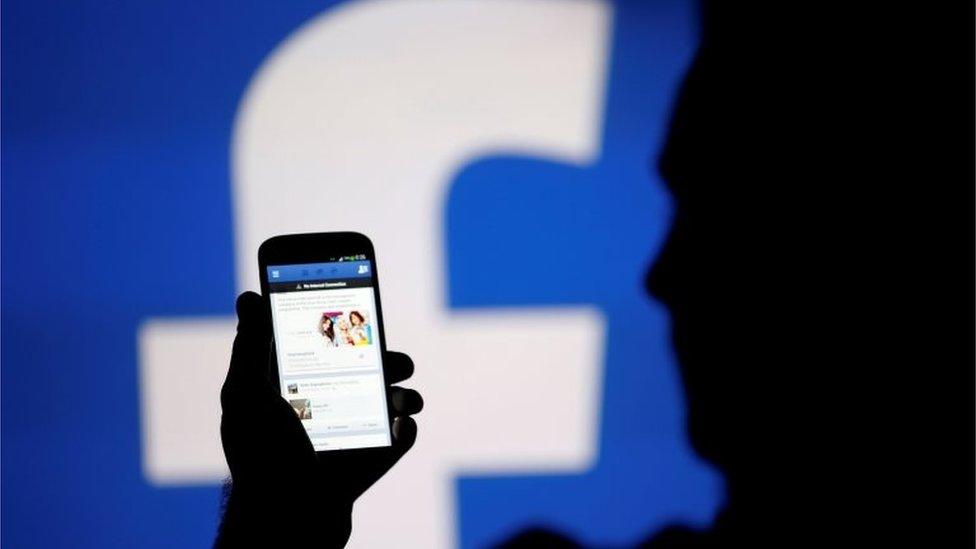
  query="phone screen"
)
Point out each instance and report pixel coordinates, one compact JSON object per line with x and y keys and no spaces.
{"x":327,"y":340}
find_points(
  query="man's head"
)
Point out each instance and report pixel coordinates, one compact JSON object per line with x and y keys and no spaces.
{"x":712,"y":273}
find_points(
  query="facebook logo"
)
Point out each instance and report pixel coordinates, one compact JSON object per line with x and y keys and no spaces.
{"x":499,"y":154}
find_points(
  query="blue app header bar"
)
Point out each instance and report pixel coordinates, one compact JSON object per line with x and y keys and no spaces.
{"x":319,"y":271}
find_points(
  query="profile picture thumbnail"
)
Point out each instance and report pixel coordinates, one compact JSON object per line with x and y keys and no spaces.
{"x":303,"y":407}
{"x":292,"y":388}
{"x":346,"y":328}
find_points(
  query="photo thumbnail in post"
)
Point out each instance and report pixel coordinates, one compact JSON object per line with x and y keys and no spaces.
{"x":349,"y":328}
{"x":303,"y":407}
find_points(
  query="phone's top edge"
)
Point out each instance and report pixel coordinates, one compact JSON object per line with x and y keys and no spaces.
{"x":299,"y":238}
{"x":314,"y":236}
{"x":310,"y":236}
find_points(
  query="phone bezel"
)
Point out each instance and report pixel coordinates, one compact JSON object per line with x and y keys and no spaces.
{"x":320,"y":248}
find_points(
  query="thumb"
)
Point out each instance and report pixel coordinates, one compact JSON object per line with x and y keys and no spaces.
{"x":248,"y":371}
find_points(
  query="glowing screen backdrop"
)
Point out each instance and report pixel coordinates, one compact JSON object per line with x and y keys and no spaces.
{"x":498,"y":152}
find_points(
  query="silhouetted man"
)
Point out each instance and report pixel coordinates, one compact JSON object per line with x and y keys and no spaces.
{"x":821,"y":307}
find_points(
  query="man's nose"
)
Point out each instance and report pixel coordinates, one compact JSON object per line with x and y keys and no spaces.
{"x":659,"y":278}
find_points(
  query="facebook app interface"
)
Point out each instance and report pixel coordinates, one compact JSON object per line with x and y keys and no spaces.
{"x":329,"y":363}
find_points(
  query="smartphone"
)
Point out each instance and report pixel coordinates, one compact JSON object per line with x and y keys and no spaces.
{"x":323,"y":296}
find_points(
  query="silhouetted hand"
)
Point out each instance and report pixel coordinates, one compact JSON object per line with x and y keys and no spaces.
{"x":282,"y":490}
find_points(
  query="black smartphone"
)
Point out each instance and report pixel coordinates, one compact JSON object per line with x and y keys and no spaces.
{"x":323,"y":297}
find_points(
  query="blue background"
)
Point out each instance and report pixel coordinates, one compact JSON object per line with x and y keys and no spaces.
{"x":116,"y":123}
